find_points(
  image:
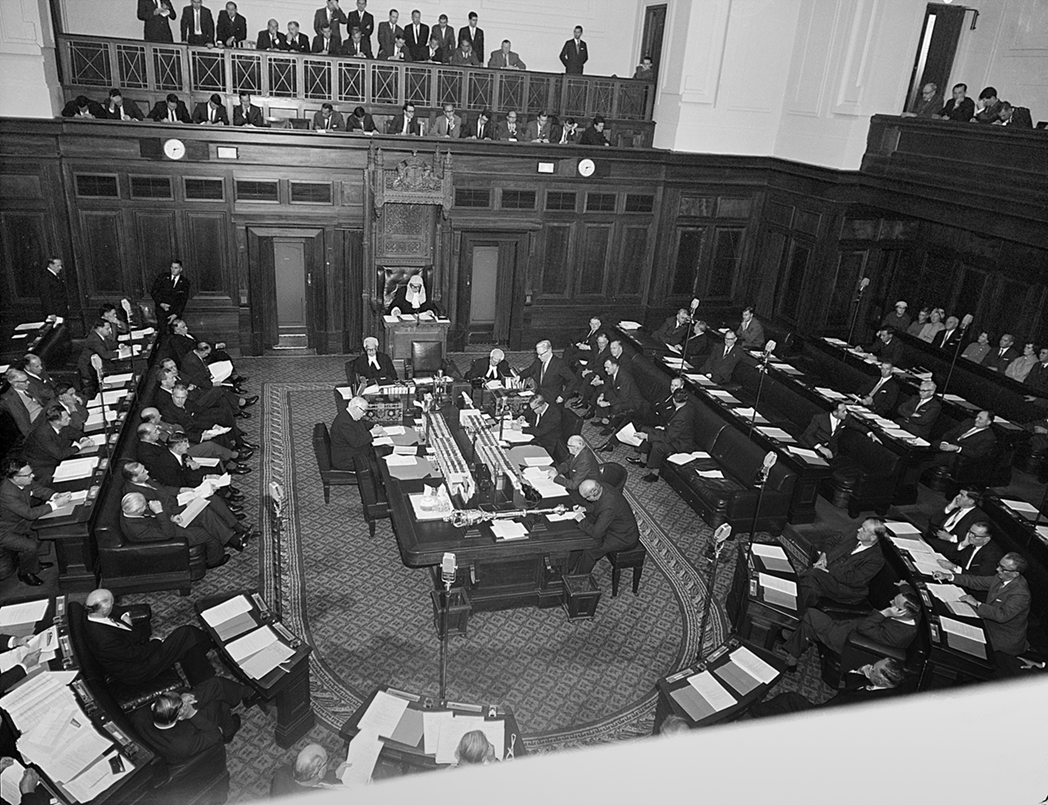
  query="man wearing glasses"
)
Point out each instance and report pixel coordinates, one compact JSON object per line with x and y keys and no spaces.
{"x":1007,"y":605}
{"x":17,"y":512}
{"x":720,"y":365}
{"x":351,"y":437}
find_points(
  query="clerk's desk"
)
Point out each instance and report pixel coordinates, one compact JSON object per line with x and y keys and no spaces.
{"x":401,"y":331}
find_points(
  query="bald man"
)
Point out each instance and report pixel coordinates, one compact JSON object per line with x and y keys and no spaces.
{"x":310,"y":770}
{"x":373,"y":367}
{"x":494,"y":367}
{"x":582,"y":466}
{"x":127,"y":653}
{"x":606,"y":516}
{"x":19,"y":401}
{"x":351,"y":437}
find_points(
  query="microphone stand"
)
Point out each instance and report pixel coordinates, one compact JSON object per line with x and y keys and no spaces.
{"x":445,"y":606}
{"x":855,"y":313}
{"x":762,"y":481}
{"x":105,"y":420}
{"x":720,"y":536}
{"x":763,"y":370}
{"x":956,"y":354}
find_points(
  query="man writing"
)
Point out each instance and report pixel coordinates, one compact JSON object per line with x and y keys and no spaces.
{"x":608,"y":519}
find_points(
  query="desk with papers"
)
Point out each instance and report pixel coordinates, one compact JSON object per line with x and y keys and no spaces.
{"x":401,"y":331}
{"x":414,"y":730}
{"x":262,"y":653}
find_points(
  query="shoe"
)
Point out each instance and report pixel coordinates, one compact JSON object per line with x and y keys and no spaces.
{"x":237,"y":543}
{"x":239,"y":469}
{"x":249,"y":401}
{"x":241,"y":379}
{"x":792,"y":669}
{"x":30,"y":579}
{"x":242,"y":414}
{"x":607,"y":447}
{"x":234,"y":492}
{"x":45,"y":565}
{"x":224,"y":561}
{"x":244,"y":453}
{"x":639,"y":462}
{"x":606,"y":431}
{"x":234,"y":728}
{"x":240,"y":515}
{"x":248,"y":445}
{"x":255,"y":699}
{"x":650,"y":478}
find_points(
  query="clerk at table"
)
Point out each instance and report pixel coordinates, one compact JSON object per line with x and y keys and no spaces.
{"x":351,"y":439}
{"x":373,"y":366}
{"x":494,"y":367}
{"x":544,"y":424}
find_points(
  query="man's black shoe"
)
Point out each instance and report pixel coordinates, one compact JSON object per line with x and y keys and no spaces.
{"x":249,"y":401}
{"x":234,"y":728}
{"x":31,"y":579}
{"x":239,"y":469}
{"x":45,"y":565}
{"x":223,"y":561}
{"x":650,"y":478}
{"x":242,"y":414}
{"x":607,"y":447}
{"x":244,"y":453}
{"x":638,"y":462}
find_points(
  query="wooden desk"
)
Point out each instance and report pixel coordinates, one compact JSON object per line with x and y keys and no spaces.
{"x":415,"y":756}
{"x":399,"y":335}
{"x":288,"y":683}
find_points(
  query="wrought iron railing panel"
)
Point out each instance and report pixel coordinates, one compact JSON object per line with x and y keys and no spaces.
{"x":283,"y":76}
{"x":602,"y":98}
{"x":633,"y":100}
{"x":511,"y":89}
{"x":208,"y":70}
{"x":167,"y":68}
{"x":316,"y":83}
{"x":449,"y":87}
{"x":246,"y":69}
{"x":90,"y":64}
{"x":541,"y":93}
{"x":384,"y":84}
{"x":417,"y":84}
{"x":574,"y":98}
{"x":480,"y":89}
{"x":352,"y":81}
{"x":131,"y":66}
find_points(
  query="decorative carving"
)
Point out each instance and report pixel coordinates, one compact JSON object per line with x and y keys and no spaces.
{"x":413,"y":181}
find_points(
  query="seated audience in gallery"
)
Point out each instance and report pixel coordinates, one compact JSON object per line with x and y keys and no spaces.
{"x":645,"y":70}
{"x":898,"y":319}
{"x":950,"y":336}
{"x":82,"y":106}
{"x":271,"y":38}
{"x":170,"y":110}
{"x":1000,"y":358}
{"x":246,"y":113}
{"x":988,"y":110}
{"x":917,"y":326}
{"x":1017,"y":117}
{"x":978,"y":349}
{"x":117,"y":107}
{"x":328,"y":118}
{"x":934,"y":326}
{"x":595,"y":135}
{"x":231,"y":28}
{"x":928,"y":105}
{"x":361,"y":121}
{"x":959,"y":108}
{"x":1019,"y":369}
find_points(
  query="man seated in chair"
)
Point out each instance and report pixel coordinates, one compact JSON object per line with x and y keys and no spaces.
{"x":352,"y":437}
{"x":411,"y":300}
{"x":126,"y":652}
{"x":582,"y":466}
{"x":972,"y":439}
{"x":180,"y":726}
{"x":660,"y":443}
{"x":976,"y":554}
{"x":494,"y":367}
{"x":824,"y":431}
{"x":872,"y":682}
{"x":894,"y":626}
{"x":843,"y":573}
{"x":543,"y":423}
{"x":371,"y":368}
{"x":607,"y":517}
{"x":953,"y":522}
{"x":310,"y":771}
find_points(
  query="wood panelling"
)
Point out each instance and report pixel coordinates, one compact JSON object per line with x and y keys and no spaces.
{"x":207,"y":250}
{"x":102,"y":243}
{"x":23,"y":238}
{"x":156,"y":243}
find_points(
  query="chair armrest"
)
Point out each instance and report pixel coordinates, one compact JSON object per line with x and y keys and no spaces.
{"x":140,"y":613}
{"x":131,"y":559}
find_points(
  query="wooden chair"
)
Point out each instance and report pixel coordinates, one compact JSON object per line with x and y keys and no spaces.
{"x":329,"y":476}
{"x":620,"y":560}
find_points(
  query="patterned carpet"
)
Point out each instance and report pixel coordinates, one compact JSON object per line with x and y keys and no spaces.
{"x":370,"y":620}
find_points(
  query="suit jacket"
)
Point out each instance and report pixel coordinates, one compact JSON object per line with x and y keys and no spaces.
{"x":891,"y":352}
{"x":207,"y":27}
{"x":848,"y":575}
{"x":670,"y":332}
{"x":77,"y":420}
{"x":367,"y":124}
{"x":299,"y":43}
{"x":149,"y":528}
{"x":94,"y":345}
{"x":479,"y":369}
{"x":751,"y":337}
{"x":448,"y":42}
{"x":573,"y":57}
{"x":334,"y":45}
{"x":396,"y":125}
{"x":476,"y":39}
{"x":45,"y":449}
{"x":937,"y":522}
{"x":547,"y":432}
{"x":386,"y":54}
{"x":622,"y":392}
{"x":721,"y":367}
{"x":610,"y":520}
{"x":534,"y":132}
{"x":53,"y":298}
{"x":593,"y":137}
{"x":93,"y":108}
{"x":887,"y":631}
{"x":1037,"y":380}
{"x":164,"y":468}
{"x":201,"y":112}
{"x":438,"y":56}
{"x":130,"y":109}
{"x":267,"y":41}
{"x":417,"y":43}
{"x":338,"y":18}
{"x":459,"y":58}
{"x":983,"y":564}
{"x":193,"y":370}
{"x":1005,"y":612}
{"x":234,"y":28}
{"x":951,"y":342}
{"x":387,"y":37}
{"x":165,"y":291}
{"x":886,"y":397}
{"x":254,"y":116}
{"x":365,"y":22}
{"x":679,"y":433}
{"x":11,"y":402}
{"x":979,"y":444}
{"x":919,"y":422}
{"x":125,"y":654}
{"x":503,"y":133}
{"x":583,"y":467}
{"x":506,"y":60}
{"x":361,"y":369}
{"x":994,"y":360}
{"x":157,"y":28}
{"x":487,"y":132}
{"x":17,"y":511}
{"x":159,"y":112}
{"x":558,"y":381}
{"x":185,"y":740}
{"x":350,"y":438}
{"x":820,"y":432}
{"x":334,"y":123}
{"x":361,"y":50}
{"x":444,"y":128}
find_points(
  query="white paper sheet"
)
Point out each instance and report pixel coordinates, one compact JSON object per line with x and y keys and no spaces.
{"x":753,"y":665}
{"x":770,"y":551}
{"x":775,"y":583}
{"x":9,"y":780}
{"x":777,"y":433}
{"x":251,"y":643}
{"x":711,"y":690}
{"x":628,"y":435}
{"x":75,"y":469}
{"x":227,"y":610}
{"x":258,"y":665}
{"x":508,"y":529}
{"x":431,"y":725}
{"x":29,"y":325}
{"x":900,"y":528}
{"x":383,"y":714}
{"x":220,"y":371}
{"x":363,"y":754}
{"x":1020,"y":506}
{"x":712,"y":474}
{"x":28,"y":612}
{"x":963,"y":629}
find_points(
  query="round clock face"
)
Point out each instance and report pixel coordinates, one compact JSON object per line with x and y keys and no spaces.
{"x":586,"y":167}
{"x":174,"y":149}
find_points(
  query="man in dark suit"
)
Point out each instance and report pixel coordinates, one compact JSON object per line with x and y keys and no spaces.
{"x":918,"y":414}
{"x":977,"y":554}
{"x":82,"y":106}
{"x":593,"y":375}
{"x":170,"y":110}
{"x":584,"y":347}
{"x":998,"y":359}
{"x":871,"y":683}
{"x":843,"y":573}
{"x":582,"y":466}
{"x":157,"y":16}
{"x":18,"y":490}
{"x":247,"y":114}
{"x":677,"y":437}
{"x":416,"y":36}
{"x":211,"y":112}
{"x":388,"y":33}
{"x":351,"y":439}
{"x":120,"y":108}
{"x":972,"y":439}
{"x":595,"y":135}
{"x":720,"y":365}
{"x":334,"y":17}
{"x":231,"y":29}
{"x":168,"y":464}
{"x":127,"y":654}
{"x":886,"y":346}
{"x":361,"y":19}
{"x":675,"y":329}
{"x":373,"y":367}
{"x":445,"y":36}
{"x":53,"y":298}
{"x":894,"y":626}
{"x":297,"y":42}
{"x":142,"y":523}
{"x":606,"y":517}
{"x":949,"y":338}
{"x":619,"y":397}
{"x":41,"y":387}
{"x":361,"y":121}
{"x":479,"y":129}
{"x":181,"y":726}
{"x":325,"y":43}
{"x":952,"y":523}
{"x":96,"y":350}
{"x":882,"y":393}
{"x":434,"y":53}
{"x":405,"y":122}
{"x":271,"y":38}
{"x":698,"y":344}
{"x":170,"y":292}
{"x":505,"y":59}
{"x":194,"y":370}
{"x":67,"y":397}
{"x":824,"y":431}
{"x":574,"y":54}
{"x":494,"y":367}
{"x":47,"y":445}
{"x":474,"y":35}
{"x":18,"y":400}
{"x":1007,"y":607}
{"x":357,"y":47}
{"x":198,"y":26}
{"x":465,"y":56}
{"x":544,"y":423}
{"x":549,"y":374}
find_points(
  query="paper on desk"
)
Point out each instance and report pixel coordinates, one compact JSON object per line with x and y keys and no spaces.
{"x":557,"y":518}
{"x":775,"y":583}
{"x":508,"y":529}
{"x":835,"y":341}
{"x":628,"y":435}
{"x":409,"y":730}
{"x":810,"y":456}
{"x":710,"y":474}
{"x":515,"y":436}
{"x":394,"y":430}
{"x":747,"y":413}
{"x":258,"y":665}
{"x":537,"y":461}
{"x":431,"y":725}
{"x":1020,"y":506}
{"x":397,"y":460}
{"x":77,"y":751}
{"x":950,"y":594}
{"x":220,"y":613}
{"x":963,"y":629}
{"x":900,"y":528}
{"x":684,"y":458}
{"x":753,"y":665}
{"x":382,"y":441}
{"x":676,"y":363}
{"x":96,"y":778}
{"x":452,"y":730}
{"x":829,"y":393}
{"x":702,"y":380}
{"x":383,"y":714}
{"x":777,"y":433}
{"x":1042,"y":532}
{"x":629,"y":325}
{"x":772,"y":557}
{"x":29,"y":325}
{"x":927,"y":564}
{"x":722,"y":394}
{"x":674,"y":348}
{"x":74,"y":469}
{"x":119,"y":380}
{"x":711,"y":690}
{"x":37,"y":695}
{"x":251,"y":643}
{"x":29,"y":612}
{"x":9,"y":782}
{"x":913,"y":545}
{"x":364,"y":749}
{"x":46,"y":642}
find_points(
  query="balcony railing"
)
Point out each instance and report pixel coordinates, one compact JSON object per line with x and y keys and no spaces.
{"x":93,"y":63}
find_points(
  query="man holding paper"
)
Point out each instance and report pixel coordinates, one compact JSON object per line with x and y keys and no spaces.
{"x":543,"y":423}
{"x":1007,"y":605}
{"x":49,"y":443}
{"x":619,"y":398}
{"x":194,"y":370}
{"x":843,"y":572}
{"x":608,"y":519}
{"x":582,"y":466}
{"x":17,"y":513}
{"x":677,"y":437}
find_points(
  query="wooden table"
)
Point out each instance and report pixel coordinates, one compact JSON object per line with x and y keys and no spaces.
{"x":400,"y":334}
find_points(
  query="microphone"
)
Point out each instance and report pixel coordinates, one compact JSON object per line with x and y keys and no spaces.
{"x":448,"y":568}
{"x":694,"y":304}
{"x":769,"y":348}
{"x":770,"y":460}
{"x":966,"y":322}
{"x":864,"y":284}
{"x":720,"y":535}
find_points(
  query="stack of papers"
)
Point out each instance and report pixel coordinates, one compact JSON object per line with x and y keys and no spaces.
{"x":20,"y":620}
{"x":508,"y":530}
{"x":830,"y":394}
{"x":75,"y":469}
{"x":703,"y":696}
{"x":515,"y":436}
{"x":772,"y":557}
{"x":810,"y":456}
{"x":685,"y":458}
{"x":782,"y":592}
{"x":748,"y":413}
{"x":539,"y":478}
{"x":713,"y":474}
{"x":29,"y":325}
{"x":900,"y":528}
{"x":230,"y":618}
{"x":777,"y":433}
{"x":259,"y":652}
{"x":629,"y":325}
{"x":950,"y":595}
{"x":1021,"y":507}
{"x":702,"y":380}
{"x":963,"y":629}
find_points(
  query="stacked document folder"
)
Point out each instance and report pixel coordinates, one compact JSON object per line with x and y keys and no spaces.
{"x":685,"y":458}
{"x":781,"y":592}
{"x":772,"y":557}
{"x":230,"y":618}
{"x":259,"y":652}
{"x":19,"y":620}
{"x":75,"y":469}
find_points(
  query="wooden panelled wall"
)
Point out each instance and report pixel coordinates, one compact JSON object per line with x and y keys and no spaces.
{"x":645,"y":234}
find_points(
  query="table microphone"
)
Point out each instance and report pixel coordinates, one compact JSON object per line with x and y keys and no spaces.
{"x":448,"y":568}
